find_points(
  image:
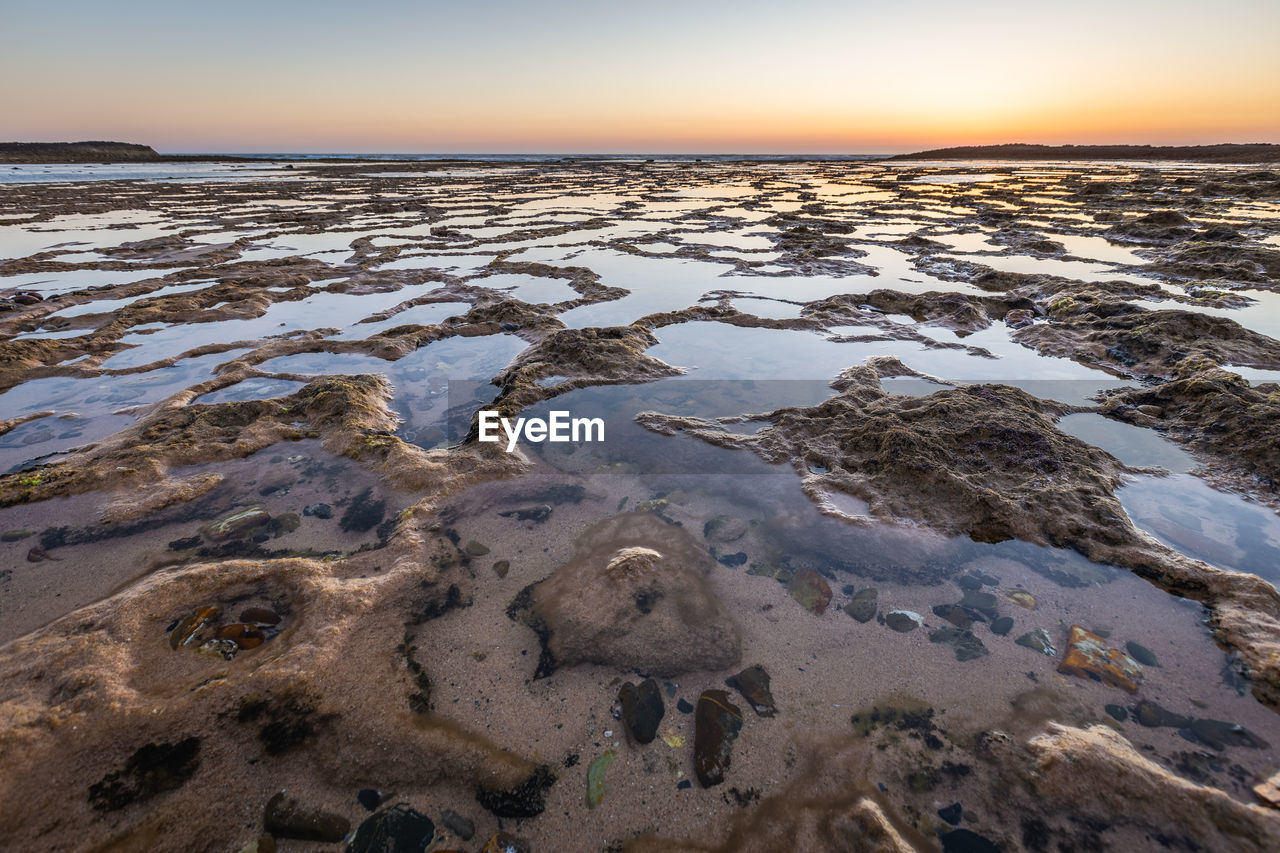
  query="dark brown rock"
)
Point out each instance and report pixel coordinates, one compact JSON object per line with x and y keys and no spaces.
{"x":753,"y":684}
{"x":863,"y":606}
{"x":811,"y":590}
{"x":716,"y":726}
{"x":642,"y":709}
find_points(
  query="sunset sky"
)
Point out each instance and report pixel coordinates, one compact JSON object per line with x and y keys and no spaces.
{"x":808,"y":76}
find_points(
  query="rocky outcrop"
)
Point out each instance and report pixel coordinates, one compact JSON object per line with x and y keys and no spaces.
{"x":984,"y":461}
{"x":1225,"y":153}
{"x":75,"y":152}
{"x":1129,"y":340}
{"x":1214,"y":412}
{"x":636,"y":596}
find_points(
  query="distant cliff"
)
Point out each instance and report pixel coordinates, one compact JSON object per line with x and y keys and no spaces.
{"x":1227,"y":153}
{"x":75,"y":152}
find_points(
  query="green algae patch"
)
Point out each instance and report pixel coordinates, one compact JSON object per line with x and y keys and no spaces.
{"x":595,"y":778}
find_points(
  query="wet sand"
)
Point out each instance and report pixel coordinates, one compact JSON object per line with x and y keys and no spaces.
{"x":817,"y":380}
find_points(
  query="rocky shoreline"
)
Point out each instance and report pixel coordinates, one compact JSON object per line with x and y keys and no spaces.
{"x":264,"y":590}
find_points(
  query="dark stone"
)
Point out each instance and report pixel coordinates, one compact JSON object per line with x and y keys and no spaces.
{"x":952,"y":813}
{"x":863,"y":606}
{"x":1002,"y":626}
{"x":363,"y":513}
{"x":753,"y":684}
{"x":903,"y":621}
{"x":967,"y":841}
{"x":509,"y":327}
{"x":642,"y":710}
{"x":983,"y":602}
{"x":501,"y":567}
{"x":528,"y":799}
{"x":684,"y":707}
{"x":1141,"y":654}
{"x":969,"y":582}
{"x":732,"y":560}
{"x":185,"y":543}
{"x":285,"y":817}
{"x":152,"y":769}
{"x":811,"y":590}
{"x":369,"y":798}
{"x":1218,"y":735}
{"x":683,"y":785}
{"x":955,"y":614}
{"x":1117,"y":712}
{"x":1152,"y":715}
{"x":457,"y":824}
{"x":967,"y":646}
{"x":322,"y":511}
{"x":398,"y":829}
{"x":716,"y":727}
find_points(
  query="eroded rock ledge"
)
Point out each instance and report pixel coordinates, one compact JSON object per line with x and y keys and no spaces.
{"x":987,"y":462}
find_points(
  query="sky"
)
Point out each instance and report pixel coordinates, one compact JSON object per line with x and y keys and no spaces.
{"x":692,"y":76}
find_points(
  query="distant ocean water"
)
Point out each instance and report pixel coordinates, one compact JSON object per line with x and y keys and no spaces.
{"x":46,"y":173}
{"x":552,"y":158}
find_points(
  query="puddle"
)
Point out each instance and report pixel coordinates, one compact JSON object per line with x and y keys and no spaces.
{"x":422,"y":315}
{"x":251,"y":389}
{"x":1222,"y":529}
{"x":1130,"y":444}
{"x":529,"y":288}
{"x":94,"y":559}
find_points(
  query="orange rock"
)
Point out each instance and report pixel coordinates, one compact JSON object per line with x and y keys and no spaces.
{"x":244,"y":636}
{"x":187,"y":629}
{"x":1088,"y":657}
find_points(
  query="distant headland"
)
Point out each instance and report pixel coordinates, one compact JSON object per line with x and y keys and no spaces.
{"x":76,"y":152}
{"x":1259,"y":152}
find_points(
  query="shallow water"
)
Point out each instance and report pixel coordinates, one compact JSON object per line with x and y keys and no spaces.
{"x":427,"y":577}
